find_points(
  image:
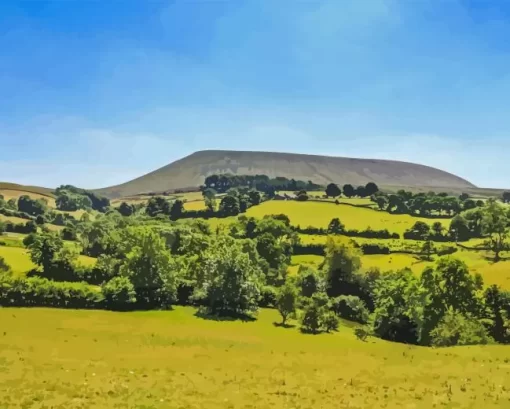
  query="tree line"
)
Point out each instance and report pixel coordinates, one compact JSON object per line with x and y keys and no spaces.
{"x":150,"y":263}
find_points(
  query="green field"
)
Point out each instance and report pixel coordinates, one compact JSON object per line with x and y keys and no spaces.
{"x":319,"y":214}
{"x":18,"y":259}
{"x":103,"y":360}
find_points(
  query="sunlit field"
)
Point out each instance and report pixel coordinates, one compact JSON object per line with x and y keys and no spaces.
{"x":16,"y":194}
{"x":98,"y":359}
{"x":319,"y":214}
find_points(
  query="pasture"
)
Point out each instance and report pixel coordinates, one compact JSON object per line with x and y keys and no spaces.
{"x":102,"y":360}
{"x":319,"y":214}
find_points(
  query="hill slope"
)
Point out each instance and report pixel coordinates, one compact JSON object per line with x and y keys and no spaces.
{"x":192,"y":170}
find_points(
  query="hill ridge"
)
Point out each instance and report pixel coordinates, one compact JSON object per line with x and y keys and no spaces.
{"x":191,"y":170}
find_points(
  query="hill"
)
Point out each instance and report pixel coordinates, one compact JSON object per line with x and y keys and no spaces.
{"x":191,"y":171}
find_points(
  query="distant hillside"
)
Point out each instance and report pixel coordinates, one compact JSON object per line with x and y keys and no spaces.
{"x":191,"y":171}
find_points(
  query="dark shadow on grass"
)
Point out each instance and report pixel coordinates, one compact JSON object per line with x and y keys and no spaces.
{"x":205,"y":315}
{"x":279,"y":324}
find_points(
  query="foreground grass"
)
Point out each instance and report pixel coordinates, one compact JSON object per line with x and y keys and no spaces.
{"x":319,"y":214}
{"x":98,"y":359}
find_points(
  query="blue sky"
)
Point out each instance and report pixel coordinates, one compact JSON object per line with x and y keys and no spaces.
{"x":98,"y":92}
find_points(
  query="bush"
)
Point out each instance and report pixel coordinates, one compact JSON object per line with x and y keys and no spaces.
{"x":374,"y":249}
{"x":330,"y":322}
{"x":268,"y":295}
{"x":4,"y":267}
{"x":316,"y":316}
{"x":119,"y":293}
{"x":351,"y":308}
{"x":41,"y":292}
{"x":362,"y":333}
{"x":457,"y":329}
{"x":447,"y":250}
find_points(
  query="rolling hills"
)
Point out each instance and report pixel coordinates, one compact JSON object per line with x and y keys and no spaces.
{"x":191,"y":171}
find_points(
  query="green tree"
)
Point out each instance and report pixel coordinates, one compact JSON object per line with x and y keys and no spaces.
{"x":371,"y":188}
{"x":177,"y":210}
{"x":32,"y":207}
{"x":437,"y":228}
{"x":428,"y":249}
{"x":149,"y":266}
{"x":125,"y":209}
{"x":332,"y":190}
{"x":229,"y":205}
{"x":119,"y":293}
{"x":382,"y":202}
{"x":229,"y":281}
{"x":316,"y":316}
{"x":348,"y":190}
{"x":309,"y":281}
{"x":495,"y":225}
{"x":4,"y":267}
{"x":448,"y":285}
{"x":341,"y":262}
{"x":255,"y":197}
{"x":505,"y":197}
{"x":456,"y":328}
{"x":286,"y":301}
{"x":336,"y":226}
{"x":497,"y":303}
{"x":43,"y":249}
{"x":157,"y":205}
{"x":459,"y":230}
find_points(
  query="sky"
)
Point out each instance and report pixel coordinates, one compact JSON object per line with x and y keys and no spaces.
{"x":95,"y":93}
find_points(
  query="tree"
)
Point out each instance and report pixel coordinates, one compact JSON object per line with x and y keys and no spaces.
{"x":341,"y":263}
{"x":437,"y":228}
{"x":336,"y":226}
{"x":332,"y":190}
{"x":43,"y":249}
{"x":371,"y":188}
{"x":149,"y":266}
{"x":351,"y":308}
{"x":119,"y":293}
{"x":348,"y":190}
{"x":309,"y":281}
{"x":419,"y":231}
{"x":505,"y":197}
{"x":448,"y":285}
{"x":157,"y":205}
{"x":497,"y":303}
{"x":458,"y":228}
{"x":255,"y":197}
{"x":229,"y":281}
{"x":382,"y":202}
{"x":125,"y":209}
{"x":177,"y":210}
{"x":456,"y":328}
{"x":286,"y":301}
{"x":316,"y":316}
{"x":32,"y":207}
{"x":229,"y":205}
{"x":428,"y":249}
{"x":361,"y":192}
{"x":463,"y":197}
{"x":302,"y":196}
{"x":495,"y":224}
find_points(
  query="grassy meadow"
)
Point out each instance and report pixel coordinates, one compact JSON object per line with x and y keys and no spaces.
{"x":319,"y":214}
{"x":102,"y":360}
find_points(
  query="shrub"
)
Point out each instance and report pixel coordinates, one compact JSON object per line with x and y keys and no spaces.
{"x":330,"y":322}
{"x":458,"y":329}
{"x":362,"y":333}
{"x":4,"y":267}
{"x":374,"y":249}
{"x":351,"y":308}
{"x":41,"y":292}
{"x":119,"y":293}
{"x":268,"y":295}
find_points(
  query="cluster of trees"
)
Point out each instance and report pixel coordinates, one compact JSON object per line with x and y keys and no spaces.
{"x":348,"y":190}
{"x":71,"y":198}
{"x":445,"y":306}
{"x":492,"y":222}
{"x":424,"y":204}
{"x":234,"y":202}
{"x":337,"y":227}
{"x":262,"y":183}
{"x":143,"y":264}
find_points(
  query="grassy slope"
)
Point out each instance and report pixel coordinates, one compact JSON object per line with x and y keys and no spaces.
{"x":192,"y":170}
{"x":319,"y":214}
{"x":102,"y":360}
